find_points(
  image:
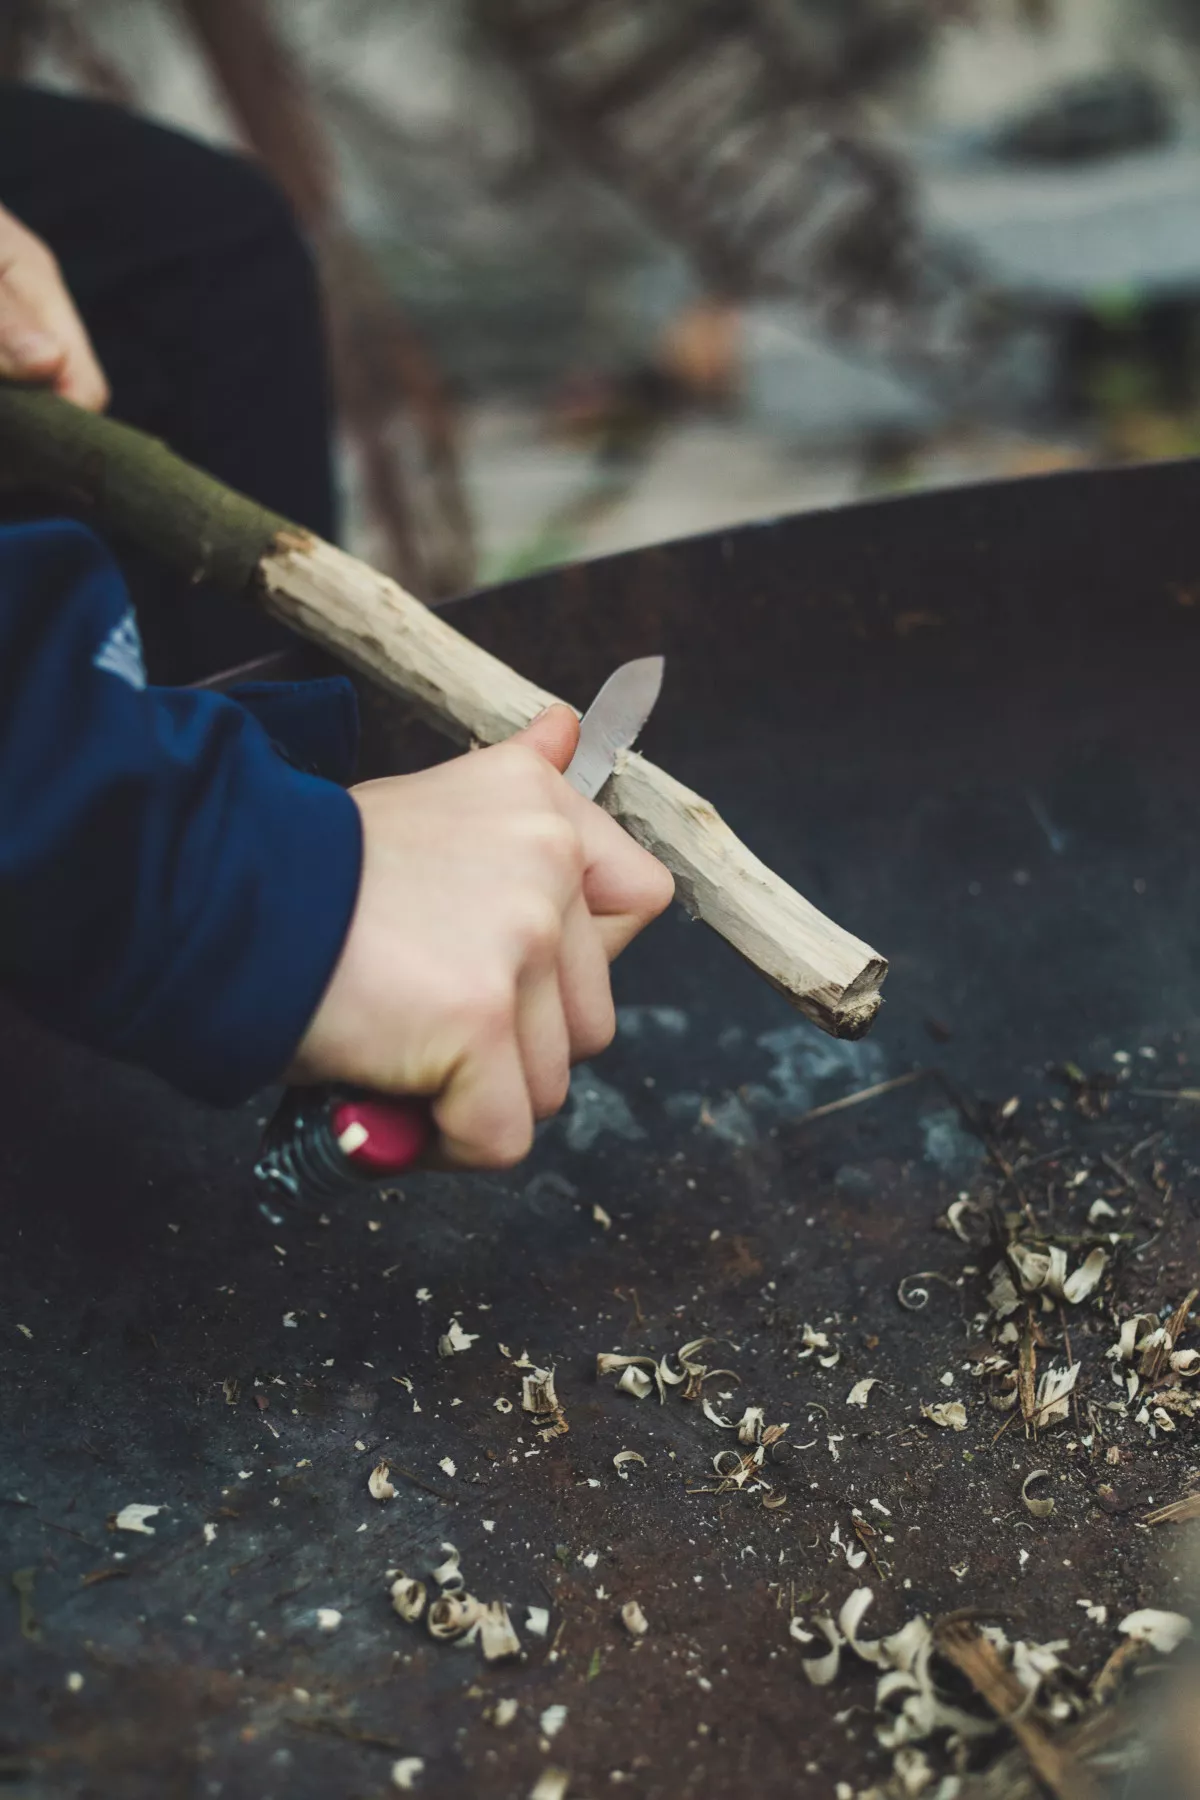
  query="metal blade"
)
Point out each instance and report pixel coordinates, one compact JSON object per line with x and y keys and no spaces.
{"x":613,"y":721}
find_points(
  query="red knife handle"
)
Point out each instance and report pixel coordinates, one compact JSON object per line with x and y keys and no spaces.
{"x":328,"y":1141}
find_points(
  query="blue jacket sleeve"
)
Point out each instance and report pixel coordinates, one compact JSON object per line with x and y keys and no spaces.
{"x":172,"y":891}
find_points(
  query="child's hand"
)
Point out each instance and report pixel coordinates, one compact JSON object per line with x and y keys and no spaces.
{"x":42,"y":337}
{"x":493,"y":898}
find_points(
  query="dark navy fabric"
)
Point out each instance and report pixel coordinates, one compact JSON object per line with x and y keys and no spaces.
{"x":172,"y":890}
{"x":314,"y":724}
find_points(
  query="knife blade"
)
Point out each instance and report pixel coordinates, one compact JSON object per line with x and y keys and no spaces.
{"x":613,"y":722}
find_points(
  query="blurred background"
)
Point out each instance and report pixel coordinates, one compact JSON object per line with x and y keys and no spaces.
{"x":603,"y":272}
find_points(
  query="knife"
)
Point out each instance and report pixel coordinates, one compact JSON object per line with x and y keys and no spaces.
{"x":323,"y":1140}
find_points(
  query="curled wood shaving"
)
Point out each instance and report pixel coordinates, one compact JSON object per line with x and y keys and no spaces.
{"x":751,"y":1424}
{"x":405,"y":1771}
{"x":378,"y":1485}
{"x":537,"y":1392}
{"x":1185,"y":1362}
{"x":1163,"y":1631}
{"x":822,"y":1670}
{"x":951,"y":1414}
{"x":448,"y":1575}
{"x":1132,"y":1337}
{"x":623,"y":1458}
{"x":408,"y":1597}
{"x":455,"y":1617}
{"x":634,"y":1619}
{"x":497,"y":1639}
{"x":635,"y":1381}
{"x":912,"y":1296}
{"x":502,"y":1404}
{"x":955,"y":1213}
{"x":1040,"y":1509}
{"x":860,"y":1392}
{"x":855,"y":1558}
{"x":1086,"y":1278}
{"x":812,"y":1341}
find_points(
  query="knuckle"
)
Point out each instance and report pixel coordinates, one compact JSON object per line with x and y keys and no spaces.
{"x":539,"y":928}
{"x":485,"y":1007}
{"x":559,"y":843}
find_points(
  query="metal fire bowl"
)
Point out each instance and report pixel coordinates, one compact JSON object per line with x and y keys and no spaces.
{"x":965,"y":725}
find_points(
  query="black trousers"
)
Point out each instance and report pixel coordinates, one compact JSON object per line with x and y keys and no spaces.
{"x":200,"y":297}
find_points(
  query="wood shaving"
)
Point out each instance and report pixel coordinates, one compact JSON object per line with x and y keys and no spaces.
{"x":954,"y":1218}
{"x":454,"y":1340}
{"x":951,"y":1414}
{"x":634,"y":1619}
{"x":455,"y":1618}
{"x":855,"y":1558}
{"x":449,"y":1465}
{"x":750,"y":1425}
{"x":504,"y":1712}
{"x":1053,"y":1394}
{"x":378,"y":1485}
{"x":133,"y":1518}
{"x":408,"y":1597}
{"x":635,"y":1381}
{"x":1002,"y":1295}
{"x":538,"y":1397}
{"x":497,"y":1639}
{"x":448,"y":1574}
{"x":623,"y":1458}
{"x":822,"y":1670}
{"x":405,"y":1772}
{"x":551,"y":1784}
{"x":860,"y":1392}
{"x":502,"y":1405}
{"x":710,"y":1412}
{"x":328,"y":1618}
{"x":1040,"y":1508}
{"x":1086,"y":1278}
{"x":552,"y":1721}
{"x":537,"y":1620}
{"x":537,"y":1392}
{"x":1163,"y":1631}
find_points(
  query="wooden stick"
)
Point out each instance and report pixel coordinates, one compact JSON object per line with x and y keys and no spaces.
{"x":970,"y":1652}
{"x":138,"y":489}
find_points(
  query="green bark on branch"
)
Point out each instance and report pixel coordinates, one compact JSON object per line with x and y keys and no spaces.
{"x":126,"y":482}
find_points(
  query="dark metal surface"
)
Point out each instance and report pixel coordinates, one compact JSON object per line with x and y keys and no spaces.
{"x":966,"y":725}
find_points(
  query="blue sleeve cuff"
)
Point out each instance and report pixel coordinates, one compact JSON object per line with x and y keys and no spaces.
{"x":247,"y":978}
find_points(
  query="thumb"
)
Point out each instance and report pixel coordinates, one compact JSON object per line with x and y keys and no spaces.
{"x":553,"y":734}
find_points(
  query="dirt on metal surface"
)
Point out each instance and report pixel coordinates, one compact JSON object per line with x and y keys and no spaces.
{"x":173,"y":1339}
